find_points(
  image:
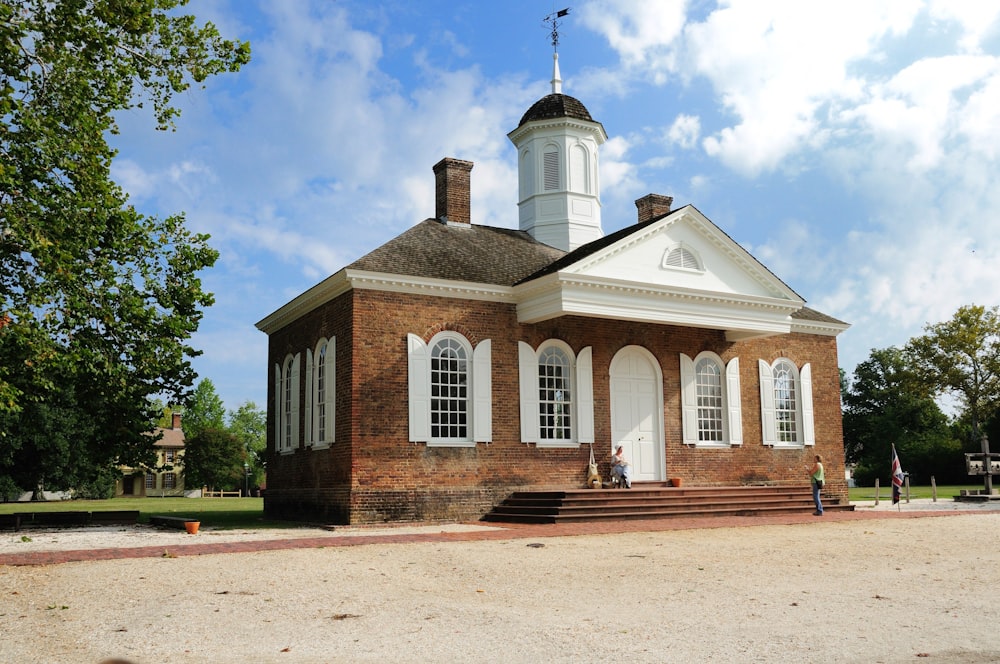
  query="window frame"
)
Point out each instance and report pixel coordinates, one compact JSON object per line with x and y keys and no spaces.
{"x":801,"y":384}
{"x":731,"y":409}
{"x":287,"y":404}
{"x":321,"y":398}
{"x":479,"y":389}
{"x":563,"y":351}
{"x":582,"y":394}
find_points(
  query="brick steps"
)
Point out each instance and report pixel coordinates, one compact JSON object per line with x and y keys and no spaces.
{"x":654,"y":501}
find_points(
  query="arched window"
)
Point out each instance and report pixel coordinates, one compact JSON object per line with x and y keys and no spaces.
{"x":555,"y":392}
{"x":288,"y":405}
{"x":710,"y":401}
{"x":786,"y":404}
{"x":708,"y":383}
{"x":450,"y":391}
{"x":321,"y":379}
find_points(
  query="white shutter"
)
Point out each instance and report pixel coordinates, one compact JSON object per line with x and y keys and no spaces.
{"x":528,"y":378}
{"x":806,"y":389}
{"x":310,"y":392}
{"x":419,"y":389}
{"x":689,"y":402}
{"x":733,"y":402}
{"x":482,"y":392}
{"x":277,"y":408}
{"x":768,"y":425}
{"x":585,"y":396}
{"x":331,"y":390}
{"x":296,"y":397}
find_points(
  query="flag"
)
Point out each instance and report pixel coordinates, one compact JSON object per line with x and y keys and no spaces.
{"x":897,"y":476}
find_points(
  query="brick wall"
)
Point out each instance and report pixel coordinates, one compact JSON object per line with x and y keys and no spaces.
{"x":373,"y":473}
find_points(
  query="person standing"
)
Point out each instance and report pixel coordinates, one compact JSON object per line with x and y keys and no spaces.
{"x":817,"y":477}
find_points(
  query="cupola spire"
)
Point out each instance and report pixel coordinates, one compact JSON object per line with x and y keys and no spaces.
{"x":553,"y":21}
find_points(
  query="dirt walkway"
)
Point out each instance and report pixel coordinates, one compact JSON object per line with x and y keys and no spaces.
{"x":864,"y":587}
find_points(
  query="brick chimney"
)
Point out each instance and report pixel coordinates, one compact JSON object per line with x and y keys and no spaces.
{"x":176,"y":421}
{"x":451,"y":177}
{"x":652,"y":206}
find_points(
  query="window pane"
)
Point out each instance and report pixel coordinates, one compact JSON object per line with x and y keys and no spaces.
{"x":708,"y":382}
{"x":554,"y":395}
{"x":785,"y":403}
{"x":449,"y":389}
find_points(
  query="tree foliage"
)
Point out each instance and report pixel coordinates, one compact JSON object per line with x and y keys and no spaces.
{"x":961,"y":357}
{"x":213,"y":458}
{"x":95,"y":298}
{"x":249,"y":424}
{"x":205,"y":410}
{"x":884,"y":406}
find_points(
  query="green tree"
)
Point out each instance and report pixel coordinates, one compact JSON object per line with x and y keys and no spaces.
{"x":92,"y":293}
{"x":205,"y":410}
{"x":214,"y":458}
{"x":884,"y":406}
{"x":249,"y":424}
{"x":961,"y":357}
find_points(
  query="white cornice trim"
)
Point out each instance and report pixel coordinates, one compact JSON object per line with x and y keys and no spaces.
{"x":346,"y":280}
{"x":743,"y":316}
{"x":321,"y":293}
{"x":591,"y":127}
{"x":824,"y":328}
{"x":396,"y":283}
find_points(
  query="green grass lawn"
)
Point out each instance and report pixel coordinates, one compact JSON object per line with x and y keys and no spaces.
{"x":885,"y":492}
{"x":212,"y":512}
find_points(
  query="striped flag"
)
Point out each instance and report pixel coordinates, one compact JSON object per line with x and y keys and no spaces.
{"x":897,"y":476}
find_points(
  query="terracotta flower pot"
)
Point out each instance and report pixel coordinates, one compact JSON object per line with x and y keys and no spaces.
{"x":675,"y":481}
{"x":192,"y":527}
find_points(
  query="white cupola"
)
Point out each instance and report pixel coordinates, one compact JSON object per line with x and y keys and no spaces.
{"x":557,"y":145}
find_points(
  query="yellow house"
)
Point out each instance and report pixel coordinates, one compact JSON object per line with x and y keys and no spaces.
{"x":166,"y":478}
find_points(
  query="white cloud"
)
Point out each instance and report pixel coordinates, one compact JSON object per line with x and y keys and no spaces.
{"x":684,"y":131}
{"x":640,"y":31}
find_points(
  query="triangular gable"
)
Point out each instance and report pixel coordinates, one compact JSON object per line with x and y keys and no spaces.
{"x":711,"y":281}
{"x":722,"y":265}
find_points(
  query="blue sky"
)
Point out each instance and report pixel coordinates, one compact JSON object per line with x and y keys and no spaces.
{"x":851,"y":146}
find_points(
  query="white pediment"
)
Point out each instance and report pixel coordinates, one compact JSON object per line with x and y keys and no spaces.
{"x":724,"y":267}
{"x":680,"y":270}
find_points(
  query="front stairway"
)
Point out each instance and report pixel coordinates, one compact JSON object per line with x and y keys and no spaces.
{"x":654,"y":500}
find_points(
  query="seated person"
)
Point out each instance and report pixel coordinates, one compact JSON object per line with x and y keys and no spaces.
{"x":620,"y":469}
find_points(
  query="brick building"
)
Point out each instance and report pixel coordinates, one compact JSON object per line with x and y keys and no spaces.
{"x":458,"y":363}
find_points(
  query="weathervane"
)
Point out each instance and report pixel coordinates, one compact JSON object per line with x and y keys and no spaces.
{"x":553,"y":20}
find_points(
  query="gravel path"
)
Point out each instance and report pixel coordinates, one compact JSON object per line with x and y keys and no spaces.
{"x":873,"y":590}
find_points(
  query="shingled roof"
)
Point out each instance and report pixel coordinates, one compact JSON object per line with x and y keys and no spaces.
{"x":556,"y":105}
{"x":477,"y":254}
{"x":491,"y":255}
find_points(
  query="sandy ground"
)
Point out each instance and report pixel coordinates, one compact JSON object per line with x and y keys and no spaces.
{"x":874,"y":590}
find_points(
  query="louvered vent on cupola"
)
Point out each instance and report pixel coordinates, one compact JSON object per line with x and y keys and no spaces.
{"x":550,"y":164}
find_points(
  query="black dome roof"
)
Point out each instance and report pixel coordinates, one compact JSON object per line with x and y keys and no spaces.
{"x":556,"y":106}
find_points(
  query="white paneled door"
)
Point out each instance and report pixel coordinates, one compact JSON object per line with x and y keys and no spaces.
{"x":636,"y":404}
